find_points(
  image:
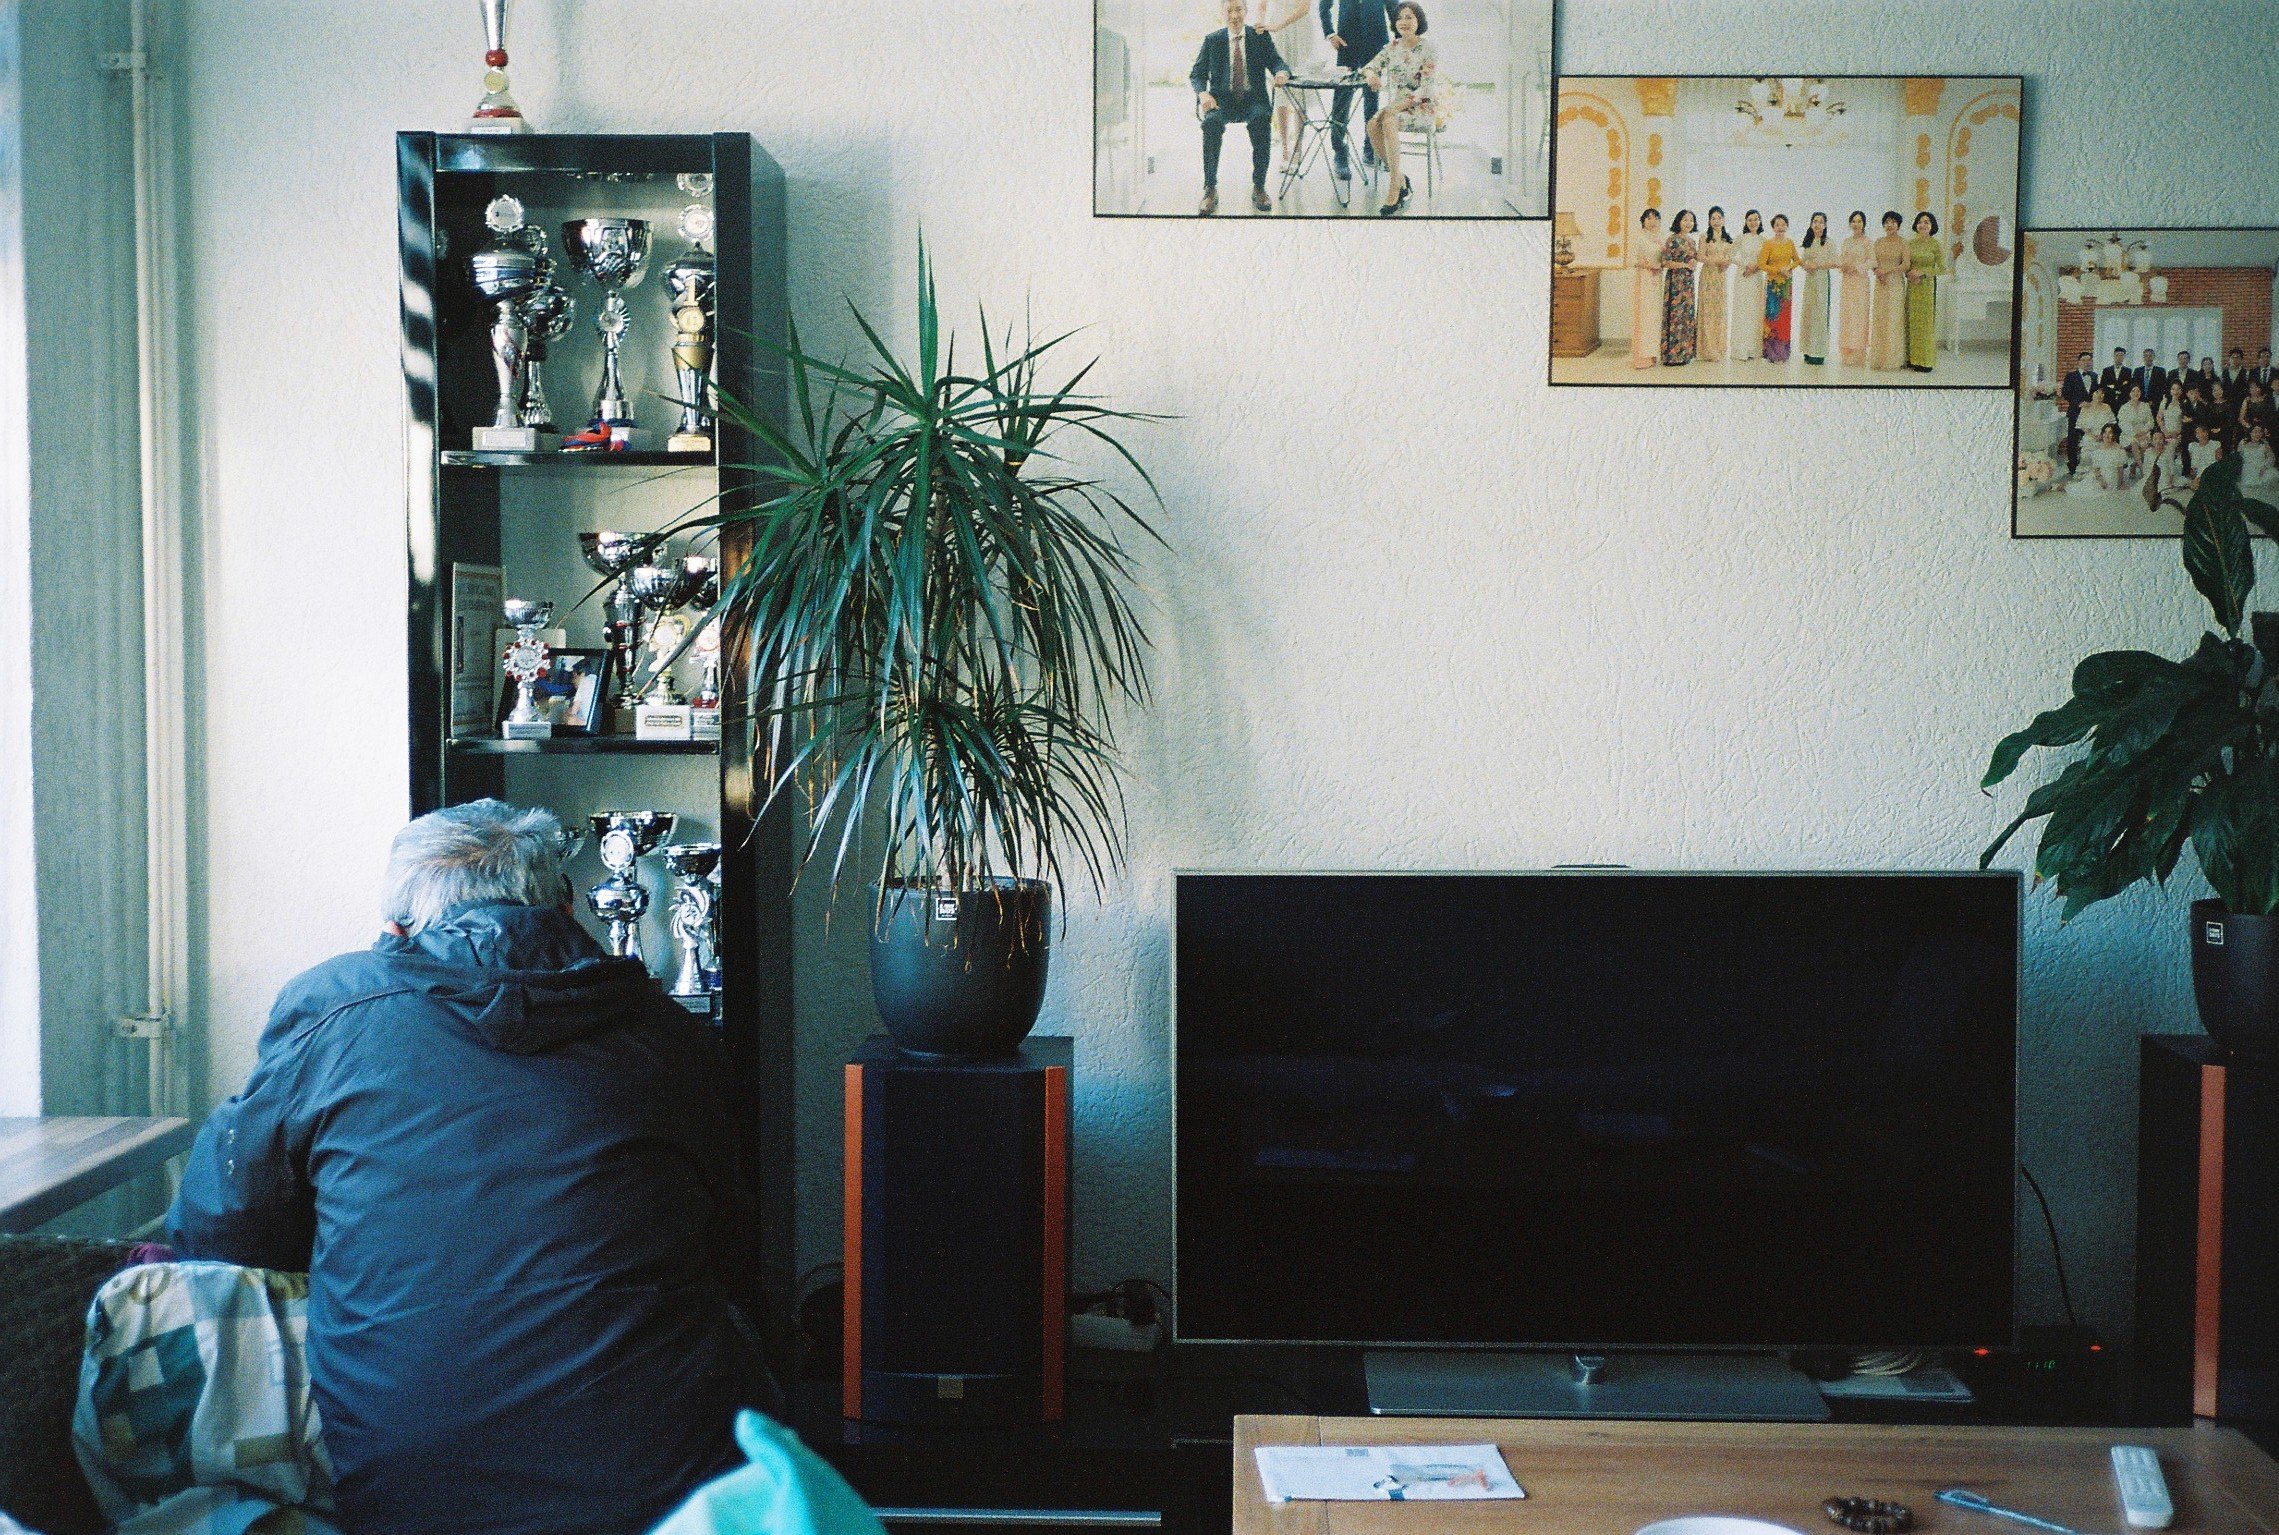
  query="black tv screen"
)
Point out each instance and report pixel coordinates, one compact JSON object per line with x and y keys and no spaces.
{"x":1596,"y":1110}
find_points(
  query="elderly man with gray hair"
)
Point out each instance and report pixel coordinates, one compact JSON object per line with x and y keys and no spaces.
{"x":506,"y":1162}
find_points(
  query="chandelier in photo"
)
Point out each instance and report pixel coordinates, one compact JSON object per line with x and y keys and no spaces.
{"x":2113,"y":271}
{"x":1790,"y":107}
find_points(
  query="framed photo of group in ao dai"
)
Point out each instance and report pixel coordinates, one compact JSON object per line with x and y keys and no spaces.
{"x":1785,"y":231}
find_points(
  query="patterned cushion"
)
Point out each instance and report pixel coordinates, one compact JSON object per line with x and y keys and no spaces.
{"x":46,"y":1284}
{"x":194,"y":1413}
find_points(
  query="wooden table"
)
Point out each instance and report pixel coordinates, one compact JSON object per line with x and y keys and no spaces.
{"x":1615,"y":1478}
{"x":48,"y":1165}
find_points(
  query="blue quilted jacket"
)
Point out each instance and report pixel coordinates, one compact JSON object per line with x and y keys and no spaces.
{"x":505,"y":1160}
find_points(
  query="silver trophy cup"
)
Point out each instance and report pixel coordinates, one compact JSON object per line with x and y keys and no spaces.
{"x":659,"y":590}
{"x":506,"y":271}
{"x":614,"y":557}
{"x":695,"y":914}
{"x":547,"y":313}
{"x":613,"y":252}
{"x":690,"y":282}
{"x":621,"y":901}
{"x":526,"y":662}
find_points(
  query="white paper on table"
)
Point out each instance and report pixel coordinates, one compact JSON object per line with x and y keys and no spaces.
{"x":1384,"y":1473}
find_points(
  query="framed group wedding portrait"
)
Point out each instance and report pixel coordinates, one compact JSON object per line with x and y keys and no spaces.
{"x":1785,"y":231}
{"x":1314,"y":109}
{"x":2144,"y":357}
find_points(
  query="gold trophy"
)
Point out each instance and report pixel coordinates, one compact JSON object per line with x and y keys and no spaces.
{"x":689,"y":284}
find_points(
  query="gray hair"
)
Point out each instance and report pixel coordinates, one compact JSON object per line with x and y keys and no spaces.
{"x":484,"y":850}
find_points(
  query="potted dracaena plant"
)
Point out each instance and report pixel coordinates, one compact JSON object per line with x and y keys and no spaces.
{"x":2176,"y":754}
{"x":939,"y":623}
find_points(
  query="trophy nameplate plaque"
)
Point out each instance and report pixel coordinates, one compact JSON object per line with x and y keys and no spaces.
{"x":663,"y":722}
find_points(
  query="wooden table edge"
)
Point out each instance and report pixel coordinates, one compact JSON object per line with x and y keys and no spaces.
{"x":159,"y":1140}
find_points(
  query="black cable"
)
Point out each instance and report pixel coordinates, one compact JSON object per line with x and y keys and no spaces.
{"x":2057,"y":1252}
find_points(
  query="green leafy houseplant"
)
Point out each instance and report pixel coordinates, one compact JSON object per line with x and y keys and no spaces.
{"x":941,"y":622}
{"x":2176,"y":754}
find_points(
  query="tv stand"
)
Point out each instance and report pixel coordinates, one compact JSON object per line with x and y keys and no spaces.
{"x":1498,"y":1384}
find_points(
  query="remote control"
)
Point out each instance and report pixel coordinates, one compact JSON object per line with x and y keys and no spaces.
{"x":2144,"y":1491}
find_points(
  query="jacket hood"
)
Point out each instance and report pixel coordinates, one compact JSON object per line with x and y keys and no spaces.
{"x":522,"y":979}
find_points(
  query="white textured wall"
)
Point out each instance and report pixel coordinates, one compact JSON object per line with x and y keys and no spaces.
{"x":1426,"y":612}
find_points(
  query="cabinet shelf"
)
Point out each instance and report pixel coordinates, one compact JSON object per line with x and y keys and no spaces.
{"x":583,"y":463}
{"x":580,"y":746}
{"x":516,"y":514}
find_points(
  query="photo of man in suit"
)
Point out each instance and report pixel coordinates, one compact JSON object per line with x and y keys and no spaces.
{"x":1234,"y":78}
{"x":2263,"y":373}
{"x":1358,"y":31}
{"x":2075,"y":391}
{"x":2152,"y":378}
{"x":2117,"y":376}
{"x":2235,"y":373}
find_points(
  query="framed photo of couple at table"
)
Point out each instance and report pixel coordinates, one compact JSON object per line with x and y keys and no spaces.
{"x":1784,"y":231}
{"x":2144,"y":356}
{"x":1379,"y":109}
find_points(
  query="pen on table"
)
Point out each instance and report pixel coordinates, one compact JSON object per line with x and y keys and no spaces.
{"x":1962,"y":1498}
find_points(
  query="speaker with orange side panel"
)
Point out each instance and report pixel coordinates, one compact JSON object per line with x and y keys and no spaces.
{"x":2207,"y":1322}
{"x":957,"y":1235}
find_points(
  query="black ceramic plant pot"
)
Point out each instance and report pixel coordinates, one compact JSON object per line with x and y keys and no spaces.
{"x":961,"y":974}
{"x":2235,"y":979}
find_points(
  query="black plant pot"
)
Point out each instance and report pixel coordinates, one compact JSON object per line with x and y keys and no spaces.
{"x":961,"y":974}
{"x":2235,"y":979}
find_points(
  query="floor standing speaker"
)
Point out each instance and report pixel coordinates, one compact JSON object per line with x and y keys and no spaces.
{"x":2207,"y":1327}
{"x":956,"y":1235}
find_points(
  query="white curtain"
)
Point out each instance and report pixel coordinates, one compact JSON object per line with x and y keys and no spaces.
{"x":2166,"y":331}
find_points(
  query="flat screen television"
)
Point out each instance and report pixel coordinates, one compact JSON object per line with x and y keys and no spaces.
{"x":1596,"y":1110}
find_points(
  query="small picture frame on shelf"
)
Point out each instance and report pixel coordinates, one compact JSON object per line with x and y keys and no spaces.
{"x":571,"y":694}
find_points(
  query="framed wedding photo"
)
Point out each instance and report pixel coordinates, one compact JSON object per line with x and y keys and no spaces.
{"x":1314,"y":109}
{"x":2144,"y":356}
{"x":1784,"y":231}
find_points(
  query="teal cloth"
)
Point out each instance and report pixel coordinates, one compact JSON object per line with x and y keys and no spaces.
{"x":786,"y":1490}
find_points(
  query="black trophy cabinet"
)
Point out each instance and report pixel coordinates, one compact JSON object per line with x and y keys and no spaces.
{"x":507,"y":523}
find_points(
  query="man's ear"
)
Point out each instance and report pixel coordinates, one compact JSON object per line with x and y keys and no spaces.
{"x":393,"y":929}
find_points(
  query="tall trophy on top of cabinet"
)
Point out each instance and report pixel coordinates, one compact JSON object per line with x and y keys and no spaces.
{"x":496,"y":112}
{"x":614,"y":252}
{"x":689,"y":283}
{"x":507,"y":271}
